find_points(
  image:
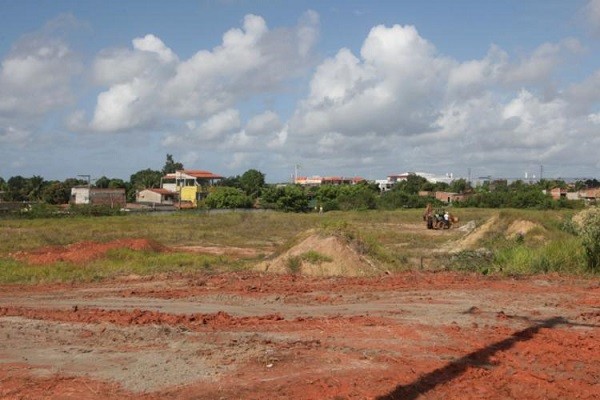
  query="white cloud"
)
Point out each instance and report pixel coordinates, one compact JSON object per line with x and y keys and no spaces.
{"x":263,"y":124}
{"x":14,"y":135}
{"x":591,"y":14}
{"x":36,"y":75}
{"x":149,"y":84}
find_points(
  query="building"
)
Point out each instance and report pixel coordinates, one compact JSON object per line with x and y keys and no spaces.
{"x":558,"y":193}
{"x":114,"y":198}
{"x":590,"y":195}
{"x":327,"y":180}
{"x":190,"y":185}
{"x":450,"y":197}
{"x":156,"y":196}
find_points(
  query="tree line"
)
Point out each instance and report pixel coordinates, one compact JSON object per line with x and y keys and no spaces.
{"x":250,"y":190}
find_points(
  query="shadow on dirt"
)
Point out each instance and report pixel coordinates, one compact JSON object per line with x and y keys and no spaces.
{"x":477,"y":358}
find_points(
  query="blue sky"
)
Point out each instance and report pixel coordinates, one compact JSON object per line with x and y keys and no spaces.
{"x":365,"y":88}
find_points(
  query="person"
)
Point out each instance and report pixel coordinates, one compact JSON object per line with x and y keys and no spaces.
{"x":447,"y":219}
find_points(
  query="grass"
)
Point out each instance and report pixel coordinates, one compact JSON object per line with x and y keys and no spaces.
{"x":392,"y":238}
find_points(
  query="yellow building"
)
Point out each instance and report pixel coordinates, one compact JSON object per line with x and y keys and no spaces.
{"x":191,"y":185}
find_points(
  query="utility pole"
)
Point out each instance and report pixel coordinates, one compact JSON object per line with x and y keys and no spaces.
{"x":89,"y":179}
{"x":541,"y":172}
{"x":296,"y":168}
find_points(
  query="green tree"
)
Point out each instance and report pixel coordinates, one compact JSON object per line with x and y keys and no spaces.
{"x":228,"y":197}
{"x":145,"y":179}
{"x":412,"y":184}
{"x":171,"y":166}
{"x":35,"y":187}
{"x":291,"y":198}
{"x":252,"y":182}
{"x":3,"y":189}
{"x":56,"y":193}
{"x":459,"y":186}
{"x":231,"y":181}
{"x":16,"y":188}
{"x":117,"y":183}
{"x":102,"y":182}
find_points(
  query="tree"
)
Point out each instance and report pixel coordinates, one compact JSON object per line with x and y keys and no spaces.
{"x":3,"y":188}
{"x":459,"y":186}
{"x":411,"y":185}
{"x":293,"y":199}
{"x":35,"y":186}
{"x":146,"y":178}
{"x":16,"y":188}
{"x":289,"y":198}
{"x":228,"y":197}
{"x":171,"y":166}
{"x":231,"y":181}
{"x":252,"y":182}
{"x":102,"y":182}
{"x":56,"y":193}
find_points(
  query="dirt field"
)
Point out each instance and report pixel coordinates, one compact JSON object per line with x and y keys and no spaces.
{"x":256,"y":336}
{"x":362,"y":333}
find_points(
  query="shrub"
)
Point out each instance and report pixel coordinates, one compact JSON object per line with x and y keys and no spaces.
{"x":228,"y":197}
{"x":587,"y":224}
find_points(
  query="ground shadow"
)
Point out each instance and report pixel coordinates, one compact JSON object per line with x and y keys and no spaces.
{"x":477,"y":358}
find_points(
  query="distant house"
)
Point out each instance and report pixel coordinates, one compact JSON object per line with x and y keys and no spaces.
{"x":156,"y":196}
{"x":114,"y":198}
{"x":590,"y":195}
{"x":450,"y":197}
{"x":190,"y":185}
{"x":327,"y":180}
{"x":558,"y":193}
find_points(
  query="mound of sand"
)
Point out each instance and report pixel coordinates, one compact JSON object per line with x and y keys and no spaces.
{"x":84,"y":251}
{"x":520,"y":227}
{"x":332,"y":256}
{"x":470,"y":241}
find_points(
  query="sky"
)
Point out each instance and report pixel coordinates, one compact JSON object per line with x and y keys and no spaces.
{"x":342,"y":87}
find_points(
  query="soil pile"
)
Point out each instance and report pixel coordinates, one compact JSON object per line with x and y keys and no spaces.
{"x":321,"y":255}
{"x":520,"y":227}
{"x":84,"y":251}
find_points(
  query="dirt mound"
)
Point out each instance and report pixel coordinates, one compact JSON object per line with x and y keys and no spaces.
{"x":84,"y":251}
{"x":321,"y":255}
{"x":520,"y":227}
{"x":470,"y":241}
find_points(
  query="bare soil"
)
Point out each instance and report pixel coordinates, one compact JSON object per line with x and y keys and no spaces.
{"x":259,"y":335}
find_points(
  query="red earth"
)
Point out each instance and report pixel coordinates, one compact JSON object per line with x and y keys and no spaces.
{"x":253,"y":335}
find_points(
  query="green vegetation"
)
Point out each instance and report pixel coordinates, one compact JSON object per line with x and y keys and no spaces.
{"x":228,"y":197}
{"x":396,"y":240}
{"x":587,"y":226}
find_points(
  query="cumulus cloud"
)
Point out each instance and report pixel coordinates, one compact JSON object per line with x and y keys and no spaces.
{"x":591,"y":13}
{"x":263,"y":124}
{"x":148,"y":83}
{"x":35,"y":76}
{"x":403,"y":103}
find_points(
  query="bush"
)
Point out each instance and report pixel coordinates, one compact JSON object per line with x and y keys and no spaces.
{"x":228,"y":197}
{"x":587,"y":223}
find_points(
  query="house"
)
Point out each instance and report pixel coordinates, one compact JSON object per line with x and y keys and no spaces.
{"x":156,"y":196}
{"x":327,"y":180}
{"x":590,"y":195}
{"x":450,"y":197}
{"x":190,"y":185}
{"x":114,"y":198}
{"x":558,"y":193}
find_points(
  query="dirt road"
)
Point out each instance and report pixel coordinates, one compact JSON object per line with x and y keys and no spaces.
{"x":259,"y":336}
